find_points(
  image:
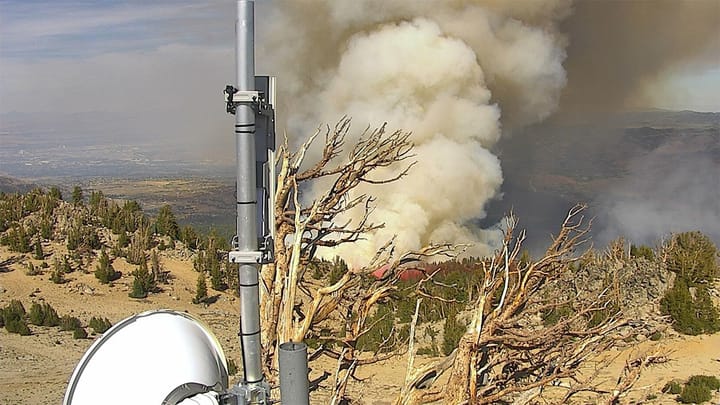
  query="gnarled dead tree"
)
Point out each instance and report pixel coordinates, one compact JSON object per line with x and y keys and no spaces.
{"x":289,"y":308}
{"x":531,"y":328}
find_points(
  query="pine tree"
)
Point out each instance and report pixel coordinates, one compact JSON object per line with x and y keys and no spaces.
{"x":13,"y":316}
{"x":217,"y":279}
{"x":80,"y":333}
{"x":68,"y":323}
{"x":157,"y":271}
{"x":39,"y":254}
{"x":339,"y":268}
{"x":46,"y":226}
{"x":43,"y":315}
{"x":96,"y":199}
{"x":65,"y":268}
{"x":707,"y":314}
{"x":55,"y":193}
{"x":166,"y":223}
{"x":201,"y":290}
{"x":105,"y":272}
{"x":122,"y":241}
{"x":57,"y":277}
{"x":77,"y":195}
{"x":154,"y":263}
{"x":19,"y":239}
{"x":189,"y":237}
{"x":693,"y":256}
{"x":139,"y":243}
{"x":137,"y":289}
{"x":143,"y":283}
{"x":99,"y":325}
{"x":454,"y":330}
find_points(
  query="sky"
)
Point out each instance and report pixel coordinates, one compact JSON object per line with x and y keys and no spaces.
{"x":143,"y":51}
{"x":133,"y":71}
{"x":142,"y":72}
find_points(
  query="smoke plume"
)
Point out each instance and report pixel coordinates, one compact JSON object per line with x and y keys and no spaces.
{"x":452,"y":72}
{"x":619,"y":49}
{"x":664,"y":193}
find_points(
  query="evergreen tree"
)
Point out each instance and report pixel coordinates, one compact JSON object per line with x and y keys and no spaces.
{"x":66,"y":268}
{"x":158,"y":273}
{"x":57,"y":277}
{"x":43,"y":315}
{"x":166,"y":223}
{"x":68,"y":323}
{"x":105,"y":272}
{"x":231,"y":275}
{"x":77,"y":195}
{"x":13,"y":316}
{"x":99,"y":325}
{"x":96,"y":200}
{"x":200,"y":290}
{"x":189,"y":237}
{"x":693,"y":256}
{"x":46,"y":226}
{"x":155,"y":263}
{"x":454,"y":330}
{"x":139,"y":243}
{"x":380,"y":332}
{"x":122,"y":241}
{"x":339,"y":268}
{"x":217,"y":279}
{"x":55,"y":193}
{"x":39,"y":254}
{"x":80,"y":333}
{"x":707,"y":314}
{"x":19,"y":240}
{"x":690,"y":316}
{"x":143,"y":283}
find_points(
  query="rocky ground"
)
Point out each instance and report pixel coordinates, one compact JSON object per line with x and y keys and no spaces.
{"x":35,"y":369}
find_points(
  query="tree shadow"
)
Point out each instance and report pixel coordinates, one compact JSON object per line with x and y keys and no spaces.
{"x":315,"y":384}
{"x":5,"y":264}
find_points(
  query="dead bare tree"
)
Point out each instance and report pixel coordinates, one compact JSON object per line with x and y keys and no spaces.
{"x":290,"y":307}
{"x":510,"y":349}
{"x":531,"y":328}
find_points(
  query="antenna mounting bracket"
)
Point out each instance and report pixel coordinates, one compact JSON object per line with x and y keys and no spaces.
{"x":235,"y":97}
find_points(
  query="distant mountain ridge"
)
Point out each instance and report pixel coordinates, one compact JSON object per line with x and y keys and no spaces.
{"x":606,"y":162}
{"x":13,"y":185}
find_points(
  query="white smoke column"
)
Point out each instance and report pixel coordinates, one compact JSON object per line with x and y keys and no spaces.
{"x":444,"y":70}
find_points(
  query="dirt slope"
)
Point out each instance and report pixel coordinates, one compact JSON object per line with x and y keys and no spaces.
{"x":35,"y":369}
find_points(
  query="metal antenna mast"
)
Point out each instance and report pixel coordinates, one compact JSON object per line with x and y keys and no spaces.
{"x":251,"y":102}
{"x":199,"y":374}
{"x":246,"y":251}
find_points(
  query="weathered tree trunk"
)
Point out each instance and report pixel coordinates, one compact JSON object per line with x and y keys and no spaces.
{"x":457,"y":389}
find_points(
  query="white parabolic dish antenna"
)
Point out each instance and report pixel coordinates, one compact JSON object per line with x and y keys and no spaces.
{"x":156,"y":357}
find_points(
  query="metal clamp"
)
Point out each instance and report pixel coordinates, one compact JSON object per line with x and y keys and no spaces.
{"x":264,"y":255}
{"x":244,"y":393}
{"x":237,"y":256}
{"x":267,"y":247}
{"x":235,"y":97}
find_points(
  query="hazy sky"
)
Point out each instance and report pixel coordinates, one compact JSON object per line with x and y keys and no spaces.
{"x":152,"y":72}
{"x":175,"y":54}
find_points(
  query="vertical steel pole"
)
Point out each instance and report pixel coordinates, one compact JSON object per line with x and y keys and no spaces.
{"x":247,"y":195}
{"x":294,"y":374}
